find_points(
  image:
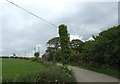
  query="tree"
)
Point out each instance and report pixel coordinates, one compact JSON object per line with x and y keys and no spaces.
{"x":87,"y":52}
{"x":36,"y":54}
{"x":74,"y":57}
{"x":58,"y":56}
{"x":54,"y":43}
{"x":107,"y":45}
{"x":64,"y":42}
{"x":76,"y":44}
{"x":104,"y":50}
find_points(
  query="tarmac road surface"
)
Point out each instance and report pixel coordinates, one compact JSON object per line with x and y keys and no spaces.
{"x":83,"y":75}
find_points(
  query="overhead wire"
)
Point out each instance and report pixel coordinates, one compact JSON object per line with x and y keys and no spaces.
{"x":32,"y":14}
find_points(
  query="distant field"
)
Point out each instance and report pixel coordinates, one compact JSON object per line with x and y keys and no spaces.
{"x":12,"y":68}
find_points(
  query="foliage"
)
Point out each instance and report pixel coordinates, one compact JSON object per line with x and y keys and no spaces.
{"x":69,"y":51}
{"x":74,"y":58}
{"x":54,"y":43}
{"x":77,"y":45}
{"x":51,"y":74}
{"x":64,"y":42}
{"x":105,"y":49}
{"x":50,"y":53}
{"x":58,"y":55}
{"x":87,"y":53}
{"x":36,"y":54}
{"x":108,"y":45}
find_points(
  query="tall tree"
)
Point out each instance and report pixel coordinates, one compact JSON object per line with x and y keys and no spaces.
{"x":64,"y":42}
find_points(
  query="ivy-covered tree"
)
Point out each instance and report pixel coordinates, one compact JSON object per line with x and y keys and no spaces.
{"x":64,"y":42}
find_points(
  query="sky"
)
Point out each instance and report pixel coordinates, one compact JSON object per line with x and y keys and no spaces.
{"x":21,"y":32}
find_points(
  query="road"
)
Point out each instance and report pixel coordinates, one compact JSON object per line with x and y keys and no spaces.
{"x":83,"y":75}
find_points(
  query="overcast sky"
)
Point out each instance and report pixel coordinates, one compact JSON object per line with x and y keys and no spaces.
{"x":21,"y":31}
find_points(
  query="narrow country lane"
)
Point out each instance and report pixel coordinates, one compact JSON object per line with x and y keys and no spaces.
{"x":83,"y":75}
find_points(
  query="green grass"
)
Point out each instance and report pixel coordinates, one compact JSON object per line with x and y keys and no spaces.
{"x":21,"y":70}
{"x":12,"y":68}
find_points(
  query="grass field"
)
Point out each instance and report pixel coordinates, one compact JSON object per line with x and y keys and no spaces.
{"x":21,"y":70}
{"x":15,"y":67}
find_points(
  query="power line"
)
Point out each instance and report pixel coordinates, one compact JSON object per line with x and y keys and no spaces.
{"x":32,"y":14}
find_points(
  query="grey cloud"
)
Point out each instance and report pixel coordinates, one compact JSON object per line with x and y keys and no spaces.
{"x":92,"y":18}
{"x":22,"y":32}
